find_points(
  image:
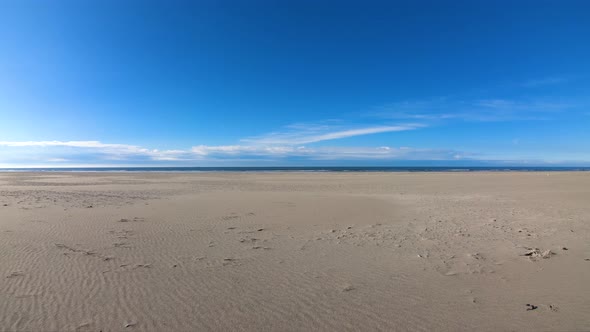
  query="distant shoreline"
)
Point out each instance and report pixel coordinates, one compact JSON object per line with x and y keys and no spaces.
{"x":395,"y":169}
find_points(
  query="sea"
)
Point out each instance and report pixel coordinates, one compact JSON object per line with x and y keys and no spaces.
{"x":303,"y":169}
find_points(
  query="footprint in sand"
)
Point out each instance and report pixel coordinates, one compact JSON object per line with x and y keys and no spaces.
{"x":230,"y":261}
{"x":130,"y":324}
{"x":15,"y":274}
{"x":347,"y":288}
{"x":135,"y":219}
{"x":122,"y":234}
{"x":236,"y":216}
{"x":260,"y":247}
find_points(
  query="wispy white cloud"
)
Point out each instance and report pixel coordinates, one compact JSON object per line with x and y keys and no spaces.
{"x":544,"y":81}
{"x":533,"y":106}
{"x":330,"y":153}
{"x":479,"y":110}
{"x":107,"y":150}
{"x":205,"y":150}
{"x":106,"y":154}
{"x":290,"y":141}
{"x":77,"y":144}
{"x":301,"y":134}
{"x":123,"y":153}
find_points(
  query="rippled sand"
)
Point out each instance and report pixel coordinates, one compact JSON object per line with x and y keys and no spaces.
{"x":294,"y":251}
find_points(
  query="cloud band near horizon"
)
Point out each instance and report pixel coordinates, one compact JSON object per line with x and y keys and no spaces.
{"x":287,"y":144}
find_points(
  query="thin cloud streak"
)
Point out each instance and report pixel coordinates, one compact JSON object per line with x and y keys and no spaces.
{"x":77,"y":144}
{"x":329,"y":153}
{"x":112,"y":151}
{"x":288,"y":143}
{"x":314,"y":134}
{"x":480,"y":110}
{"x":544,"y":81}
{"x":130,"y":153}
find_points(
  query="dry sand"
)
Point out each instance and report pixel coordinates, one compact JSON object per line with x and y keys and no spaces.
{"x":295,"y":251}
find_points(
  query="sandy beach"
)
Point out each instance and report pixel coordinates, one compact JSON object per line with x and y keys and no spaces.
{"x":295,"y":251}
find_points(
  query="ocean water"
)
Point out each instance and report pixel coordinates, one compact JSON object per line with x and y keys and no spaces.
{"x":301,"y":169}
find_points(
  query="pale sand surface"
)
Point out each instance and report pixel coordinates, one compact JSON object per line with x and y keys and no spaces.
{"x":294,"y":251}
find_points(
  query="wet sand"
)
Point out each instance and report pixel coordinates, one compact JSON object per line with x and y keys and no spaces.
{"x":295,"y":251}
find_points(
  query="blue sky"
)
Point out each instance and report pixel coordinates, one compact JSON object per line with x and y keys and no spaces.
{"x":237,"y":83}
